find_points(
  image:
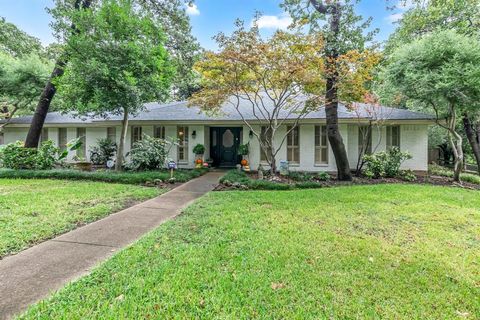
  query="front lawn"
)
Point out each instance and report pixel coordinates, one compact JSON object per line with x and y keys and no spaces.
{"x":379,"y":251}
{"x":129,"y":177}
{"x":35,"y":210}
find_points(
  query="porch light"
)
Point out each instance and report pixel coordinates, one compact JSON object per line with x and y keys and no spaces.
{"x":194,"y":134}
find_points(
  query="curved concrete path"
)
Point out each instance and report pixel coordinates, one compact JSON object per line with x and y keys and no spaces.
{"x":37,"y":272}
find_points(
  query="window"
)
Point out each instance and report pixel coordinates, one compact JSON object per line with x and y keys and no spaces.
{"x":112,"y":134}
{"x":293,"y":144}
{"x":265,"y":136}
{"x":81,"y":133}
{"x":44,"y":136}
{"x":159,"y":132}
{"x":62,"y":138}
{"x":2,"y":138}
{"x":321,"y":145}
{"x":182,"y":149}
{"x":136,"y":135}
{"x":364,"y":140}
{"x":393,"y":137}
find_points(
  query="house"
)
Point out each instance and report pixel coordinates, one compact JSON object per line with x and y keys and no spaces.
{"x":306,"y":148}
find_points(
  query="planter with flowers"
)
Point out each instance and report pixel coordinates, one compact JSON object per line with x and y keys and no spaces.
{"x":199,"y":151}
{"x":243,"y":150}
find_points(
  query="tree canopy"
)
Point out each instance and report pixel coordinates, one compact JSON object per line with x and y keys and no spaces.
{"x":117,"y":62}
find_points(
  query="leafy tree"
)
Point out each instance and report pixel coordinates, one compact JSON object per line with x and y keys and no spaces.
{"x":21,"y":81}
{"x":344,"y":32}
{"x":169,"y":14}
{"x":423,"y":18}
{"x":282,"y":79}
{"x":117,"y":62}
{"x":441,"y":73}
{"x":16,"y":42}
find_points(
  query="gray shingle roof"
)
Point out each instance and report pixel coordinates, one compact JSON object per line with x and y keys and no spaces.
{"x":180,"y":111}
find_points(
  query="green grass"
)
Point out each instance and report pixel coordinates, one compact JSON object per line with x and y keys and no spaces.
{"x":101,"y":175}
{"x":35,"y":210}
{"x":362,"y":252}
{"x":445,"y":172}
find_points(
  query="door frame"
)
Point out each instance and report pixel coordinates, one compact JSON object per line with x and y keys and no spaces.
{"x":215,"y":150}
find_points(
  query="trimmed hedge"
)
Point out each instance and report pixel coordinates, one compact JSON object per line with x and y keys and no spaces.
{"x":242,"y":179}
{"x":445,"y":172}
{"x":102,"y":175}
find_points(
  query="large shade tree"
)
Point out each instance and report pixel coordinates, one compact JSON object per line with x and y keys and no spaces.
{"x":344,"y":31}
{"x":117,"y":62}
{"x":170,"y":14}
{"x":441,"y":73}
{"x":432,"y":16}
{"x":281,"y":79}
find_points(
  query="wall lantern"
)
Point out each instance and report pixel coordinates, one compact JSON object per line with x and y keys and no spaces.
{"x":250,"y":134}
{"x":194,"y":134}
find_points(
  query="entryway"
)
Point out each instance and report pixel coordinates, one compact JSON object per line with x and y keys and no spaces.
{"x":224,"y":143}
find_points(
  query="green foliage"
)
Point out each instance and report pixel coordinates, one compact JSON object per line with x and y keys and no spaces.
{"x":445,"y":172}
{"x":385,"y":164}
{"x":199,"y":149}
{"x":149,"y":153}
{"x":103,"y":152}
{"x":103,"y":175}
{"x":38,"y":210}
{"x":16,"y":156}
{"x":360,"y":252}
{"x":243,"y":149}
{"x":323,"y":176}
{"x":16,"y":42}
{"x":408,"y":175}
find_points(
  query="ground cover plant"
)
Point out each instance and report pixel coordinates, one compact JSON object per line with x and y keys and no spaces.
{"x":378,"y":251}
{"x":145,"y":177}
{"x":445,"y":172}
{"x":35,"y":210}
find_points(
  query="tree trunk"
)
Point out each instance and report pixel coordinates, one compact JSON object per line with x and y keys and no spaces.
{"x":456,"y":141}
{"x":331,"y":103}
{"x":473,"y":139}
{"x":123,"y":137}
{"x":35,"y":131}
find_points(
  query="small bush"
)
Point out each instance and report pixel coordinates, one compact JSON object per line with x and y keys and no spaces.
{"x":148,"y":154}
{"x":385,"y":164}
{"x":16,"y":156}
{"x":199,"y":149}
{"x":103,"y":152}
{"x":408,"y":175}
{"x":445,"y":172}
{"x":323,"y":176}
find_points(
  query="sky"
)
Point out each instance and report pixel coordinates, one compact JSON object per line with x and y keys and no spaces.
{"x":208,"y":17}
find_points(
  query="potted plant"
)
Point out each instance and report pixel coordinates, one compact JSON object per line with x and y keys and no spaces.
{"x":199,"y":149}
{"x":243,"y":150}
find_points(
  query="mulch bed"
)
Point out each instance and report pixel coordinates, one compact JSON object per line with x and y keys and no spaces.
{"x":421,"y":179}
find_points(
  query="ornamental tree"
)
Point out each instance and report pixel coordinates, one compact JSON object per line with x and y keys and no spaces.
{"x":441,"y":74}
{"x":117,"y":62}
{"x":282,"y":79}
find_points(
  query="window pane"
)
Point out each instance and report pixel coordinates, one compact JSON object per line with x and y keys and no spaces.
{"x":182,"y":150}
{"x":321,"y":145}
{"x":62,"y":138}
{"x":293,"y":144}
{"x":81,"y":133}
{"x":112,"y":134}
{"x":2,"y":138}
{"x":159,"y":132}
{"x":227,"y":139}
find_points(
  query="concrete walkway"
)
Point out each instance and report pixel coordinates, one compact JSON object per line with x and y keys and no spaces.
{"x":35,"y":273}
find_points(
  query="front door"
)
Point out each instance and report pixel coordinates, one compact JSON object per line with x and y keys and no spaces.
{"x":225,"y":142}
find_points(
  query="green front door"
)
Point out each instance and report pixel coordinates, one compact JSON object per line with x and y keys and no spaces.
{"x":225,"y":142}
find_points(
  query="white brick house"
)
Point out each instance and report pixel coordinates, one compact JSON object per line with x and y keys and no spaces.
{"x":307,"y":149}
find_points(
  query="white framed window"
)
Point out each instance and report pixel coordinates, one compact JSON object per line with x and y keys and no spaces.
{"x":43,"y":136}
{"x":182,"y":148}
{"x":136,"y":134}
{"x":321,"y":145}
{"x":112,"y":134}
{"x":293,"y":144}
{"x":62,"y":138}
{"x":364,"y":140}
{"x":265,"y":135}
{"x":393,"y":137}
{"x":159,"y":132}
{"x":81,"y":133}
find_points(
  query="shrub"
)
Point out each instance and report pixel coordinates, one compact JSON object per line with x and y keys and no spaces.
{"x":323,"y":176}
{"x":147,"y":154}
{"x":243,"y":149}
{"x":408,"y":175}
{"x":16,"y":156}
{"x":103,"y":152}
{"x":385,"y":164}
{"x":199,"y":149}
